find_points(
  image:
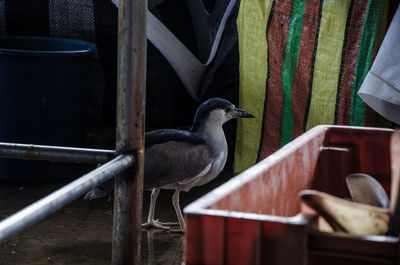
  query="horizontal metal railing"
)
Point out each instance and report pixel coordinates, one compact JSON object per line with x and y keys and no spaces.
{"x":56,"y":153}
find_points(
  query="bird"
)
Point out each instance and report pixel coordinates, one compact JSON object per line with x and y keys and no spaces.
{"x":182,"y":159}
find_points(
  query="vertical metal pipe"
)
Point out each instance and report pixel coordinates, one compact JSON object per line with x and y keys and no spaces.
{"x":130,"y":130}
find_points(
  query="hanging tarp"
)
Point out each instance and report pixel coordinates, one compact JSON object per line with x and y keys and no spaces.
{"x":301,"y":65}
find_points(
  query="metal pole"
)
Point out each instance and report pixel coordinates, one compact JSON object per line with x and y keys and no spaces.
{"x":128,"y":190}
{"x":56,"y":200}
{"x":56,"y":153}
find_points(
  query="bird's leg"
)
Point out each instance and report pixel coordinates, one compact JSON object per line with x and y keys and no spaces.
{"x":150,"y":219}
{"x":175,"y":202}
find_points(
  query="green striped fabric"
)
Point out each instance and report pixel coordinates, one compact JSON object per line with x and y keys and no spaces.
{"x":301,"y":65}
{"x":289,"y":68}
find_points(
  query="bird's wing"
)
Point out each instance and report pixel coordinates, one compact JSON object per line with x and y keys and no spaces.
{"x":172,"y":162}
{"x":167,"y":135}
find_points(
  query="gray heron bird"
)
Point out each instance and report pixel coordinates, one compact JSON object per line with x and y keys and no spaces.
{"x":181,"y":160}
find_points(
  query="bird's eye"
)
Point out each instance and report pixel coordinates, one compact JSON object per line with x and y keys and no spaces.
{"x":228,"y":109}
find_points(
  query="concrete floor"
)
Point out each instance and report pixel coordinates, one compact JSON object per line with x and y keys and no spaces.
{"x":81,"y":232}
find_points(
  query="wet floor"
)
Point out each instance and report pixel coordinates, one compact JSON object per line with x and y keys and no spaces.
{"x":81,"y":232}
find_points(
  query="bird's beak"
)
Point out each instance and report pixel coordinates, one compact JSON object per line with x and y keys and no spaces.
{"x":239,"y":113}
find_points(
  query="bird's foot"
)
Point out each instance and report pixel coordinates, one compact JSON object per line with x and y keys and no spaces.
{"x":154,"y":224}
{"x":167,"y":226}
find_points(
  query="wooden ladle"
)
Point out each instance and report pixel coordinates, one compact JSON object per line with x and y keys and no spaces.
{"x":347,"y":216}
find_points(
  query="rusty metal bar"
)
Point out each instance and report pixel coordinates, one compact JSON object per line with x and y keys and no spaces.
{"x":56,"y":153}
{"x":56,"y":200}
{"x":131,"y":92}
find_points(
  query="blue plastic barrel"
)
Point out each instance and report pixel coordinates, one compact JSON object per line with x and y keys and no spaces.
{"x":43,"y":100}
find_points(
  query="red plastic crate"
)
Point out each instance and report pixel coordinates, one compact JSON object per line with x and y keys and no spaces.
{"x":255,"y":218}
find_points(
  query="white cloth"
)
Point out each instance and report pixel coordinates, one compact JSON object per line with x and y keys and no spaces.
{"x":381,"y":87}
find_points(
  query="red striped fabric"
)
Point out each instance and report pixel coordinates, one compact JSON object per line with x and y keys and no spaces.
{"x":303,"y":73}
{"x":277,"y":35}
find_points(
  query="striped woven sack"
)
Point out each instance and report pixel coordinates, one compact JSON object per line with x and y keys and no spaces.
{"x":301,"y":65}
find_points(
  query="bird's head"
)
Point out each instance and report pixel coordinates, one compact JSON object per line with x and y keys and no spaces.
{"x":217,"y":111}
